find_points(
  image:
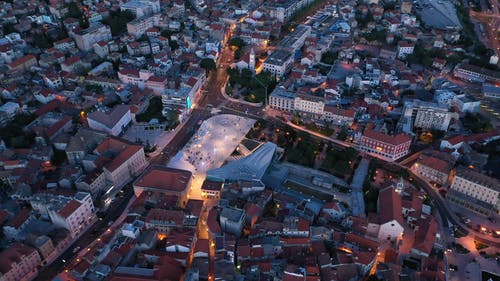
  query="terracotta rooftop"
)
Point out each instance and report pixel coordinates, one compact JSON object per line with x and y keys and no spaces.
{"x":164,"y":179}
{"x":435,"y":163}
{"x":160,"y":216}
{"x":394,"y":140}
{"x":70,"y":208}
{"x":425,"y":235}
{"x":390,"y":206}
{"x":122,"y":150}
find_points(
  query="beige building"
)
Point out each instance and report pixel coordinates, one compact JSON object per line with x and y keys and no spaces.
{"x":282,"y":99}
{"x":85,"y":39}
{"x":75,"y":215}
{"x":433,"y":169}
{"x":309,"y":104}
{"x":475,"y":191}
{"x":139,"y":26}
{"x":18,"y":263}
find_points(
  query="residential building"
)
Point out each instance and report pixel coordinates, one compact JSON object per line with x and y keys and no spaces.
{"x":338,"y":116}
{"x":157,"y":84}
{"x":491,"y":90}
{"x":23,"y":63}
{"x":386,"y":147}
{"x":139,"y":26}
{"x":476,"y":74}
{"x":163,"y":180}
{"x":44,"y":246}
{"x":466,"y":103}
{"x":232,"y":220}
{"x":405,"y":49}
{"x":86,"y":38}
{"x":19,"y":262}
{"x":130,"y":76}
{"x":425,"y":115}
{"x":113,"y":122}
{"x":282,"y":99}
{"x":75,"y":215}
{"x":278,"y":63}
{"x":284,"y":10}
{"x":164,"y":220}
{"x":475,"y":191}
{"x":141,"y":8}
{"x":309,"y":105}
{"x":425,"y":236}
{"x":434,"y":169}
{"x":122,"y":160}
{"x":295,"y":40}
{"x":211,"y":189}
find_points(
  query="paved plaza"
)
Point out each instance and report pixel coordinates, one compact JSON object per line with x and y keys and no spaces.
{"x":209,"y":148}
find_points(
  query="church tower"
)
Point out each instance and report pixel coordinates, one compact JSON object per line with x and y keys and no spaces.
{"x":251,"y":61}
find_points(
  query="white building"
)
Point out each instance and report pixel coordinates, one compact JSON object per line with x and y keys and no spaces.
{"x":309,"y":104}
{"x":466,"y":103}
{"x":113,"y":122}
{"x":491,"y":91}
{"x":232,"y":220}
{"x":127,"y":162}
{"x":141,"y":8}
{"x":426,"y":115}
{"x":475,"y":191}
{"x":75,"y":215}
{"x":130,"y":76}
{"x":19,"y":262}
{"x":283,"y":11}
{"x":138,"y":26}
{"x":282,"y":99}
{"x":86,"y":38}
{"x":278,"y":63}
{"x":405,"y":49}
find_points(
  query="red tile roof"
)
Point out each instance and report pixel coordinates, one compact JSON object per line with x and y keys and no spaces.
{"x":164,"y":179}
{"x":13,"y":254}
{"x":124,"y":150}
{"x":394,"y":140}
{"x":160,"y":215}
{"x":21,"y":61}
{"x":390,"y":206}
{"x":70,"y":208}
{"x":425,"y":235}
{"x":20,"y":219}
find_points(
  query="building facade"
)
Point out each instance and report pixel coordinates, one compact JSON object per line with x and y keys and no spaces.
{"x":380,"y":145}
{"x":19,"y":262}
{"x":475,"y":191}
{"x":86,"y":38}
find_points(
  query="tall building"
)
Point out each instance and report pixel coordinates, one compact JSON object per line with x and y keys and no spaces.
{"x":425,"y":115}
{"x":19,"y":262}
{"x":475,"y":191}
{"x":86,"y":38}
{"x":279,"y":63}
{"x":251,"y":61}
{"x":141,"y":8}
{"x":284,"y":10}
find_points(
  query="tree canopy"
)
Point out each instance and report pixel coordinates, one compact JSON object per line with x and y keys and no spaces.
{"x":208,"y":64}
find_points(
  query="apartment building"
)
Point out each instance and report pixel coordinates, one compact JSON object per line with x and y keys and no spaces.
{"x":23,"y":64}
{"x":338,"y":115}
{"x":309,"y":104}
{"x":130,"y":76}
{"x":211,"y":189}
{"x":405,"y":49}
{"x":284,"y":10}
{"x":139,"y":26}
{"x":141,"y":8}
{"x":425,"y":115}
{"x":386,"y":147}
{"x":19,"y":262}
{"x":86,"y":38}
{"x":278,"y":63}
{"x":474,"y":73}
{"x":475,"y":191}
{"x":282,"y":99}
{"x":295,"y":40}
{"x":125,"y":160}
{"x":75,"y":215}
{"x":491,"y":91}
{"x":433,"y":169}
{"x":112,"y":122}
{"x":232,"y":220}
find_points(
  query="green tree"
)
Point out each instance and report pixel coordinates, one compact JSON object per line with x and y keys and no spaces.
{"x":117,"y":21}
{"x":329,"y":57}
{"x":208,"y":64}
{"x":173,"y":45}
{"x":73,"y":10}
{"x":237,"y":42}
